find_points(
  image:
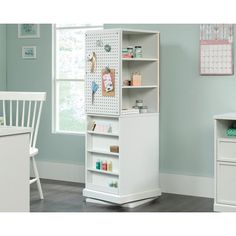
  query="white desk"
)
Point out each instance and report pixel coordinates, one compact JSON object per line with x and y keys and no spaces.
{"x":14,"y":169}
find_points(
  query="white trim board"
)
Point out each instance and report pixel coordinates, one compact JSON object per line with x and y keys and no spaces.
{"x":170,"y":183}
{"x":187,"y":185}
{"x":61,"y":171}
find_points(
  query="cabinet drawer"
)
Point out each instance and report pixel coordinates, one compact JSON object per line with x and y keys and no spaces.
{"x":226,"y":183}
{"x":226,"y":150}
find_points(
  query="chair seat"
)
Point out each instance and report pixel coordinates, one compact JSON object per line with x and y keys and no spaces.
{"x":33,"y":151}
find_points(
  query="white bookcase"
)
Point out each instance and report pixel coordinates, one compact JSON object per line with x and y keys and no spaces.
{"x":225,"y":163}
{"x":135,"y":168}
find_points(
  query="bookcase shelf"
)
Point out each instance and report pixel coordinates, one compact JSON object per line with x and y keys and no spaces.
{"x":140,"y":87}
{"x":104,"y":152}
{"x":135,"y":169}
{"x":139,"y":59}
{"x":103,"y":171}
{"x":102,"y":133}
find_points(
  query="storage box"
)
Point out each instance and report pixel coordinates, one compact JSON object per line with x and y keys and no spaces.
{"x":114,"y":149}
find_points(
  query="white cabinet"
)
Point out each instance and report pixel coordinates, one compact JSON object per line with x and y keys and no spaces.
{"x":135,"y":169}
{"x":225,"y":164}
{"x":134,"y":175}
{"x":14,"y":169}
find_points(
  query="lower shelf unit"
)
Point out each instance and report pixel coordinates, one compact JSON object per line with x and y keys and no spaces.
{"x":135,"y":169}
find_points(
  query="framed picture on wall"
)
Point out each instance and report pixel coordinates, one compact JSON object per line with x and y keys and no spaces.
{"x":28,"y":31}
{"x":29,"y":52}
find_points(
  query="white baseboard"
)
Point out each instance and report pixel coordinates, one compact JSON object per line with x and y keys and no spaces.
{"x":61,"y":171}
{"x":170,"y":183}
{"x":187,"y":185}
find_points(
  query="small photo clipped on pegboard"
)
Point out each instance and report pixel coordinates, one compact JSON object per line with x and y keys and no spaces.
{"x":216,"y":49}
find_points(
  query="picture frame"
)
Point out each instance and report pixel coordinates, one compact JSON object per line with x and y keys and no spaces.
{"x":28,"y":31}
{"x":29,"y":52}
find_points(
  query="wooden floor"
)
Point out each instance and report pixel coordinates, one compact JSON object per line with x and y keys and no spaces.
{"x":67,"y":197}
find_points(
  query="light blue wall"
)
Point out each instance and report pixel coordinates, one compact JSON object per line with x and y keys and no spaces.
{"x":36,"y":75}
{"x":2,"y":57}
{"x":187,"y":101}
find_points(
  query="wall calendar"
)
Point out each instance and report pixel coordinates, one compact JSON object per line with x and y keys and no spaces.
{"x":216,"y":49}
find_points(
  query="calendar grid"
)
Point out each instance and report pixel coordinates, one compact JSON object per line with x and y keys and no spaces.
{"x":216,"y":50}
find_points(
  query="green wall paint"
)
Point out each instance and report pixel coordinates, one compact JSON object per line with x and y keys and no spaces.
{"x":2,"y":57}
{"x":188,"y":101}
{"x":36,"y":75}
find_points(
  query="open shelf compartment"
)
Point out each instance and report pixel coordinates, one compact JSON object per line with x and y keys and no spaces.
{"x":149,"y":97}
{"x":92,"y":158}
{"x":148,"y":41}
{"x":100,"y":182}
{"x":103,"y":124}
{"x":222,"y":127}
{"x":147,"y":69}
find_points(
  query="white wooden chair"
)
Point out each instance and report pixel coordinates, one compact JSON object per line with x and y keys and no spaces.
{"x":23,"y":109}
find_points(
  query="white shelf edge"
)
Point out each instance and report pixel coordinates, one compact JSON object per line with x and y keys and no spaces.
{"x":226,"y":116}
{"x":104,"y":134}
{"x":140,"y":59}
{"x":103,"y":171}
{"x":227,"y":139}
{"x":226,"y":159}
{"x":138,"y":87}
{"x":103,"y":115}
{"x":140,"y":114}
{"x":130,"y":31}
{"x":137,"y":31}
{"x":103,"y":152}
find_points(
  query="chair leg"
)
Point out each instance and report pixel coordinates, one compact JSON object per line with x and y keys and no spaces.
{"x":37,"y":178}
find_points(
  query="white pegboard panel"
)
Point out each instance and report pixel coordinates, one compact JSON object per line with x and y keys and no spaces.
{"x":102,"y":104}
